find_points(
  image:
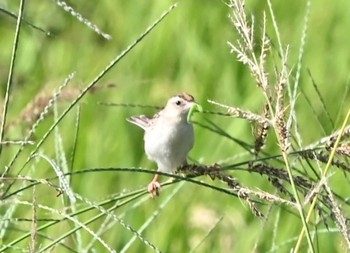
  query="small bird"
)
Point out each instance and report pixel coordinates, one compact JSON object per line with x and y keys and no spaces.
{"x":169,"y":136}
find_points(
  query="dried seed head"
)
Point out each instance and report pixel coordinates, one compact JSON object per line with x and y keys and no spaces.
{"x":261,"y":132}
{"x":344,"y":149}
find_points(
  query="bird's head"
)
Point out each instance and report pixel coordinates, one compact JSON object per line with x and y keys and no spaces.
{"x":182,"y":106}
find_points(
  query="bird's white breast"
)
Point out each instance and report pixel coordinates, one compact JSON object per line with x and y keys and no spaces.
{"x":168,"y":144}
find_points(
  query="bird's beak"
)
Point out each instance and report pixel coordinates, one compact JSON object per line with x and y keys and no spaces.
{"x":194,"y":107}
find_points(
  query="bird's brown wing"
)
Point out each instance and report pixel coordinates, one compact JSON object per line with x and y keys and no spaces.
{"x":142,"y":121}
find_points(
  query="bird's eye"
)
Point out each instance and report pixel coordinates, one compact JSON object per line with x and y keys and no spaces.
{"x":178,"y":102}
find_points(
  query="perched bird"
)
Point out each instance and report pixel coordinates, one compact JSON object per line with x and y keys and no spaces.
{"x":169,"y":136}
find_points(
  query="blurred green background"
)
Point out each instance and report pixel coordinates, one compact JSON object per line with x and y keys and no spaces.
{"x":188,"y":51}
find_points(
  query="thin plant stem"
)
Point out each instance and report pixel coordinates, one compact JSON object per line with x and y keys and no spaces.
{"x":284,"y":152}
{"x":325,"y":171}
{"x":299,"y":206}
{"x":91,"y":85}
{"x":10,"y":76}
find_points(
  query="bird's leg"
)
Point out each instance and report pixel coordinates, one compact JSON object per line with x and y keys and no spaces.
{"x":154,"y":186}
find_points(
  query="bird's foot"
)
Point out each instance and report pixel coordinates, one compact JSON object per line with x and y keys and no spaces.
{"x":154,"y":188}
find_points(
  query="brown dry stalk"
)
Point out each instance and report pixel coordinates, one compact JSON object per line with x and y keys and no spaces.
{"x":32,"y":111}
{"x":35,"y":107}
